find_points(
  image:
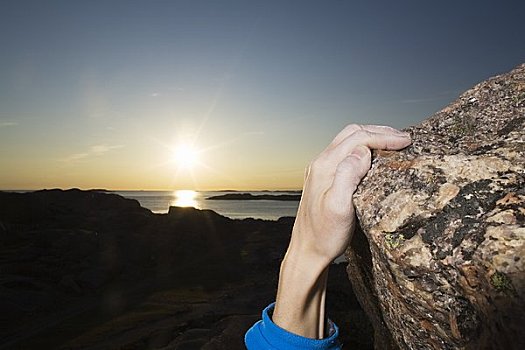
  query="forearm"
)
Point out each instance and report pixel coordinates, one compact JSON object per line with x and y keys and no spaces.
{"x":300,"y":302}
{"x":324,"y":224}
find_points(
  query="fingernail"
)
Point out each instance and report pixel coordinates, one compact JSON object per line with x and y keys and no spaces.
{"x":361,"y":151}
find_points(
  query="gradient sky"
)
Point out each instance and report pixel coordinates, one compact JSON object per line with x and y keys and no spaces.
{"x":95,"y":94}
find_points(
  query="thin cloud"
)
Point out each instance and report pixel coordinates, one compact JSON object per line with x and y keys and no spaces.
{"x":101,"y":149}
{"x":94,"y":151}
{"x":7,"y":124}
{"x":75,"y":157}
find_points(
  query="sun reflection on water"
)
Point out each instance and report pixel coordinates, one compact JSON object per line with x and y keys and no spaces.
{"x":185,"y":198}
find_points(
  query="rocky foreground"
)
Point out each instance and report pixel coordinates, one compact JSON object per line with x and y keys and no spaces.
{"x":439,"y":263}
{"x":91,"y":270}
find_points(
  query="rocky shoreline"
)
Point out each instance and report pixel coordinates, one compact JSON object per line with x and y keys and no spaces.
{"x":93,"y":270}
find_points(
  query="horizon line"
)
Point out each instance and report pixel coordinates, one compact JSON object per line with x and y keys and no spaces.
{"x":144,"y":190}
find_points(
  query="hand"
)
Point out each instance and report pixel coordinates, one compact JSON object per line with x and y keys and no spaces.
{"x":324,"y":224}
{"x":326,"y":214}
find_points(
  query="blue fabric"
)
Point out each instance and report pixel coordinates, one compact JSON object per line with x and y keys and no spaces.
{"x":266,"y":335}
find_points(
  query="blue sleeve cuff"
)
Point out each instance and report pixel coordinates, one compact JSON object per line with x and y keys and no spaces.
{"x":267,"y":335}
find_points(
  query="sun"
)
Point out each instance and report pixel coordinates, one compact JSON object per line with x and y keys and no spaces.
{"x":185,"y":156}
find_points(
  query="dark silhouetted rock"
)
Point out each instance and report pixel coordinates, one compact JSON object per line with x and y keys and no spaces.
{"x":93,"y":270}
{"x":439,"y":263}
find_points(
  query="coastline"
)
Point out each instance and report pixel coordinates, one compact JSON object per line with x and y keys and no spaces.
{"x":251,"y":197}
{"x":159,"y":202}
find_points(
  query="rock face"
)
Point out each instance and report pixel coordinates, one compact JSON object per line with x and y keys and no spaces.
{"x":439,"y":260}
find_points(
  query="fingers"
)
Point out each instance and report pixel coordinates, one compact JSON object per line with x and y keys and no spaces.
{"x":370,"y":139}
{"x":352,"y":128}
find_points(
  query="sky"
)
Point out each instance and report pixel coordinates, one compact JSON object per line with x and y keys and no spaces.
{"x":99,"y":94}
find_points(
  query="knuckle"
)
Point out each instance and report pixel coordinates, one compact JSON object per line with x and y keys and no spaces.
{"x":390,"y":143}
{"x":352,"y":128}
{"x":347,"y":131}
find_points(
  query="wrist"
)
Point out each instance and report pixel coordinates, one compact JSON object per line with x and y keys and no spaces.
{"x":304,"y":262}
{"x":300,"y":297}
{"x":304,"y":251}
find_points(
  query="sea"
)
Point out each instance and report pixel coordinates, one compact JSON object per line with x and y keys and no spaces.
{"x":160,"y":201}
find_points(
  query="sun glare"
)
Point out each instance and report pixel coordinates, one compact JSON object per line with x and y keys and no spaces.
{"x":185,"y":156}
{"x":185,"y":198}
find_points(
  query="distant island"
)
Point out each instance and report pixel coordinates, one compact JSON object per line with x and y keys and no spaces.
{"x":283,"y":191}
{"x":251,"y":197}
{"x":265,"y":191}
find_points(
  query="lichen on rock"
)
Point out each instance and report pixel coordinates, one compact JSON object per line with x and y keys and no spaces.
{"x":444,"y":227}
